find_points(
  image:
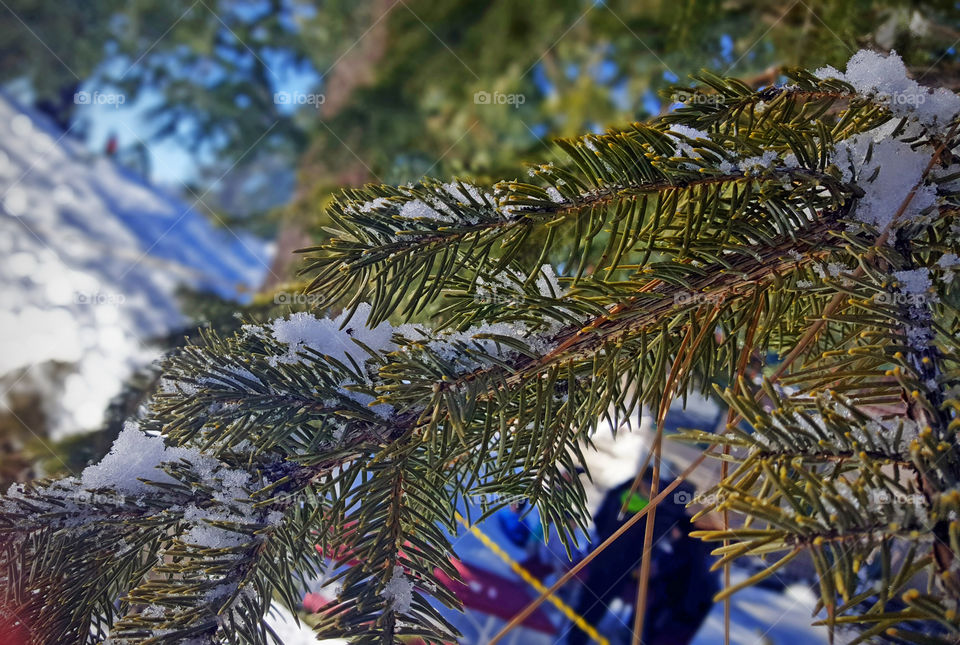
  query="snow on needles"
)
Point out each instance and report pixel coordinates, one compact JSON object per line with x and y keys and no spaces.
{"x":686,"y":133}
{"x":303,"y":330}
{"x":134,"y":455}
{"x":885,"y":78}
{"x":887,"y":170}
{"x":399,"y":591}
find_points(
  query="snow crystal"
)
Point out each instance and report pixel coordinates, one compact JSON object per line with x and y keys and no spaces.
{"x":399,"y":591}
{"x":303,"y":330}
{"x":375,"y":204}
{"x":885,"y":77}
{"x":472,"y":192}
{"x":554,"y":194}
{"x":447,"y":345}
{"x":947,"y":262}
{"x":204,"y":534}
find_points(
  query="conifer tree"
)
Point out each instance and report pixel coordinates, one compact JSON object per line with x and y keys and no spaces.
{"x":811,"y":225}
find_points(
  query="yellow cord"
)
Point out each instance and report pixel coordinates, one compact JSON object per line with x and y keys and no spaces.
{"x":533,"y":582}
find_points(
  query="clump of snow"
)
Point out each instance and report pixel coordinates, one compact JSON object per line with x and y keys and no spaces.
{"x":547,"y":282}
{"x":206,"y":535}
{"x":914,"y":281}
{"x":448,"y":345}
{"x":302,"y":330}
{"x":885,"y":78}
{"x":760,"y":162}
{"x":399,"y":591}
{"x":947,"y":262}
{"x":685,"y":132}
{"x":472,"y":192}
{"x":134,"y":454}
{"x":554,"y":194}
{"x":378,"y":203}
{"x":893,"y":170}
{"x":418,"y":209}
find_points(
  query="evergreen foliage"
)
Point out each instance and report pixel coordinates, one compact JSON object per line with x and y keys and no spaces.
{"x":816,"y":222}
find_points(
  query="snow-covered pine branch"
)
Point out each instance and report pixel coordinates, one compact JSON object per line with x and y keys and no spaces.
{"x":480,"y":333}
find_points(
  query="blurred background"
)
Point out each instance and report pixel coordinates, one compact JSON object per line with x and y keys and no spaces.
{"x":161,"y":159}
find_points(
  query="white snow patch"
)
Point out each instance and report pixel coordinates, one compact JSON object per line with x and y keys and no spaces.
{"x":893,"y":170}
{"x":914,"y":281}
{"x":760,"y":162}
{"x":134,"y":454}
{"x":418,"y":209}
{"x":683,"y":147}
{"x":93,"y":258}
{"x":399,"y":591}
{"x":885,"y":78}
{"x":303,"y":330}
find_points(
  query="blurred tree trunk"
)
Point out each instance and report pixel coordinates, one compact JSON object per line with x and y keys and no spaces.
{"x":355,"y":69}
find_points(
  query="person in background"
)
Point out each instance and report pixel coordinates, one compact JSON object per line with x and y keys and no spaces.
{"x":681,"y":585}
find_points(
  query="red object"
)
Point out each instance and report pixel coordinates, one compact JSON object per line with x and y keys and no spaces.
{"x":313,"y":602}
{"x":493,"y":594}
{"x":12,"y":630}
{"x":111,"y":148}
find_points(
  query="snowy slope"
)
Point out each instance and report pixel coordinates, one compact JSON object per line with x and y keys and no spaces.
{"x":92,"y":258}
